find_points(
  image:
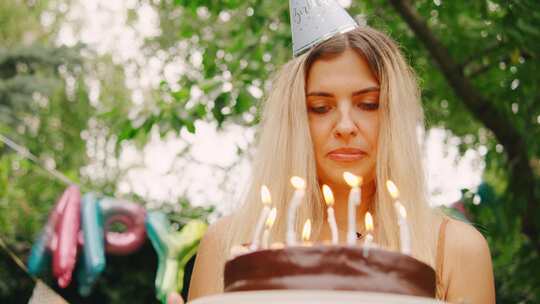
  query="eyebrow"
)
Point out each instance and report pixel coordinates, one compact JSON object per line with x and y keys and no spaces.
{"x":360,"y":92}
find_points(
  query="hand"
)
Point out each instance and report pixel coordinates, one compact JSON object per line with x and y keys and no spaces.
{"x":175,"y":298}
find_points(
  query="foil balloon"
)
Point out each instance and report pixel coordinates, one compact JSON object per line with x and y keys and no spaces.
{"x":174,"y":249}
{"x":64,"y":236}
{"x":93,"y":253}
{"x":40,"y":254}
{"x":59,"y":238}
{"x":131,"y":216}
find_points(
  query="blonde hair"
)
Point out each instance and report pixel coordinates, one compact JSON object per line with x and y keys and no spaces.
{"x":285,"y":148}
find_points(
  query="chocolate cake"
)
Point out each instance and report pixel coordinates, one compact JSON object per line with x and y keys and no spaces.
{"x":330,"y":268}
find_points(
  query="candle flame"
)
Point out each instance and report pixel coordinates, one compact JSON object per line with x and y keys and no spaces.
{"x":306,"y":232}
{"x":401,"y":209}
{"x":369,"y":222}
{"x":265,"y":196}
{"x":298,"y":183}
{"x":392,"y":189}
{"x":271,"y":218}
{"x":328,"y":195}
{"x":352,"y":180}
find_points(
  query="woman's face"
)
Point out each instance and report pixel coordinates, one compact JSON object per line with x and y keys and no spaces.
{"x":342,"y":97}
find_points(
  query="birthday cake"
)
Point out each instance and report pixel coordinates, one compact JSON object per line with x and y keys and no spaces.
{"x":322,"y":267}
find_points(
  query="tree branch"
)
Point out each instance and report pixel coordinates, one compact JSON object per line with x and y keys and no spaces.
{"x":522,"y":179}
{"x":479,"y":55}
{"x":476,"y":71}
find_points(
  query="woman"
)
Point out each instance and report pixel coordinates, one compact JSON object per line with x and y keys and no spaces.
{"x":350,"y":104}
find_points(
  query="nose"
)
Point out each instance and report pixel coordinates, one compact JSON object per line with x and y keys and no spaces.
{"x":345,"y":127}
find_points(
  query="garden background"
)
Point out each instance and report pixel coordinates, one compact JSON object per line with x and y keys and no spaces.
{"x":158,"y":102}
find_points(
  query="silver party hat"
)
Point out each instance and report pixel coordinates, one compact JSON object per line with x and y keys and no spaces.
{"x":314,"y":21}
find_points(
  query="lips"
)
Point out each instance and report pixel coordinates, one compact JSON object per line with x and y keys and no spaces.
{"x":346,"y":154}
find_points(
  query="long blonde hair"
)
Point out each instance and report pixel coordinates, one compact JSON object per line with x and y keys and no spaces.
{"x":285,"y":148}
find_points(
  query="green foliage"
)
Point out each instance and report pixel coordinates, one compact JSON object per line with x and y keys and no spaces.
{"x":45,"y":105}
{"x":515,"y":260}
{"x":34,"y":111}
{"x":20,"y":23}
{"x":37,"y":110}
{"x":242,"y":43}
{"x":233,"y":46}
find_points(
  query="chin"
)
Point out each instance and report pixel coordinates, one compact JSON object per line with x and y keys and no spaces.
{"x":333,"y":174}
{"x":336,"y":176}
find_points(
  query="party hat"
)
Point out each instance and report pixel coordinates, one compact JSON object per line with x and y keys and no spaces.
{"x":314,"y":21}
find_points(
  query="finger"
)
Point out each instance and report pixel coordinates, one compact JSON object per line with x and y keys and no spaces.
{"x":175,"y":298}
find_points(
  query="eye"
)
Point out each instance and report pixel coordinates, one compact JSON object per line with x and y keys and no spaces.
{"x":320,"y":109}
{"x":368,"y":106}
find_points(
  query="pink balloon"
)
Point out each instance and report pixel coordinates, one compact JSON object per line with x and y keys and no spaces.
{"x":132,"y":217}
{"x":66,"y":221}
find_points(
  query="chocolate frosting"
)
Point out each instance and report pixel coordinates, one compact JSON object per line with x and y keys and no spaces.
{"x":330,"y":268}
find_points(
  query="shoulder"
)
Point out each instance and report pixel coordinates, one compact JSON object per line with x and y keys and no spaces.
{"x":213,"y":235}
{"x":469,"y":266}
{"x":207,"y":271}
{"x":462,"y":239}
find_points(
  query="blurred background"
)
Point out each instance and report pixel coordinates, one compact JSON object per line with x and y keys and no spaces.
{"x":158,"y":102}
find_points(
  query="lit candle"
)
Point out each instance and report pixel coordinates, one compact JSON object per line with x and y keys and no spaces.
{"x":266,"y":200}
{"x":306,"y":233}
{"x":404,"y":231}
{"x":354,"y":200}
{"x":299,"y":186}
{"x":329,"y":199}
{"x":268,"y":226}
{"x":369,"y":237}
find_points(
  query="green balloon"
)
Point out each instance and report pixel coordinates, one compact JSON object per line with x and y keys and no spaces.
{"x":174,"y":249}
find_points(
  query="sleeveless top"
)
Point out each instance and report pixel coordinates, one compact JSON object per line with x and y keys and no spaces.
{"x":441,"y":290}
